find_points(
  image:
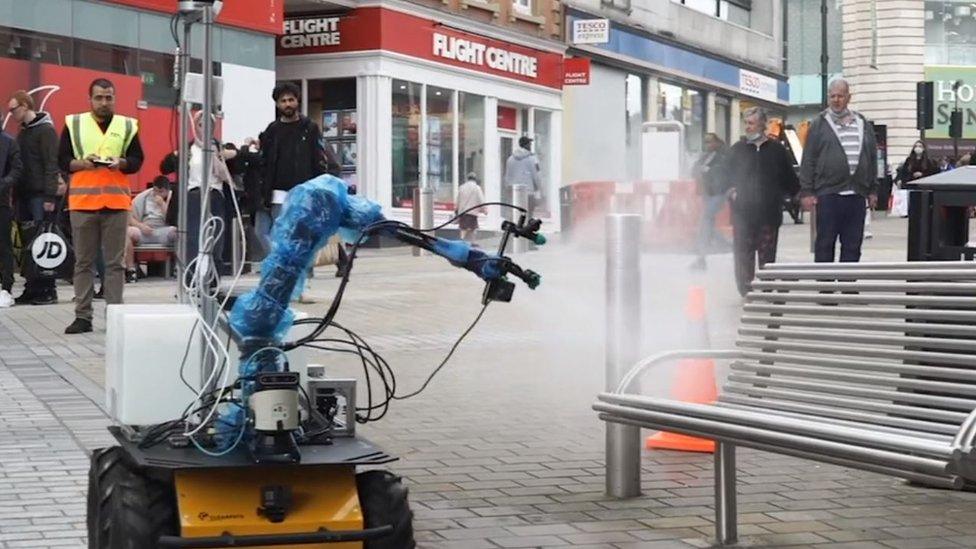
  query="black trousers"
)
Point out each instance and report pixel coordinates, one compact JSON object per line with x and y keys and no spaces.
{"x":752,"y":241}
{"x":839,"y":217}
{"x":6,"y":249}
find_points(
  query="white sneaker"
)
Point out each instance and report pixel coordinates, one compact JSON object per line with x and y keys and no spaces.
{"x":6,"y":300}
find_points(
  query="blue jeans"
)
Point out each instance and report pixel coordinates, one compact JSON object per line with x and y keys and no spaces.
{"x":262,"y":229}
{"x":839,"y":216}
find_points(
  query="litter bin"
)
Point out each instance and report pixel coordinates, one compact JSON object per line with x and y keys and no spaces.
{"x":939,"y":208}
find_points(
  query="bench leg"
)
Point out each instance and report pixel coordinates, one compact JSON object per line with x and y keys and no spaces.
{"x":623,"y":460}
{"x":726,"y":529}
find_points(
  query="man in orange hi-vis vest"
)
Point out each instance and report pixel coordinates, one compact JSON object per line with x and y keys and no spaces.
{"x":98,"y":148}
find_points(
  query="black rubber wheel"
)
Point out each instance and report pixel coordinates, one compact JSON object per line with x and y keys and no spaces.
{"x":126,"y":509}
{"x":383,"y":498}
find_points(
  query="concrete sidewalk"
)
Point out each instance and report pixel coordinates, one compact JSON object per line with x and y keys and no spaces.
{"x":502,"y":450}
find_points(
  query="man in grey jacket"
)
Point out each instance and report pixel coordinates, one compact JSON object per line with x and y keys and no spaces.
{"x":838,"y":174}
{"x":522,"y":168}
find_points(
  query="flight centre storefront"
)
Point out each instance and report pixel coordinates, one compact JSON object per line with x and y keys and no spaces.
{"x":406,"y":101}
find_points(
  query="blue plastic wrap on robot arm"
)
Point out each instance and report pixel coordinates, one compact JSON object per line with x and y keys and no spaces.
{"x":312,"y":213}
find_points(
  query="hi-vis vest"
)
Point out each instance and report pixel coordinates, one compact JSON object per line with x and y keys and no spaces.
{"x":99,"y":188}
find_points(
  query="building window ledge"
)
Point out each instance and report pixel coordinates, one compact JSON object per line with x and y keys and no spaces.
{"x":516,"y":15}
{"x":493,"y":7}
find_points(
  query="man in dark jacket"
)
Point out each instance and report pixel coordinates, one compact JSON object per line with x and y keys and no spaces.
{"x":292,"y":148}
{"x":10,"y":170}
{"x":713,"y":186}
{"x":37,"y":191}
{"x":839,"y":175}
{"x":760,"y":173}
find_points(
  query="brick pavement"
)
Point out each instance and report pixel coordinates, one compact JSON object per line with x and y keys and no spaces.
{"x":502,"y":450}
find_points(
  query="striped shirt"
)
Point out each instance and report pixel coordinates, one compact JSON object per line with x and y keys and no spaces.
{"x":849,"y":136}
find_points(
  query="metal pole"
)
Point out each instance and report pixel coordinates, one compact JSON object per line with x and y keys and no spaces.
{"x":208,"y":305}
{"x":623,"y":321}
{"x":520,"y":198}
{"x":726,"y":529}
{"x":823,"y":54}
{"x":426,"y":210}
{"x":184,"y":169}
{"x":416,"y":216}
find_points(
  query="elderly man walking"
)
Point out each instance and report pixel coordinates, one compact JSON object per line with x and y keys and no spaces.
{"x":838,"y":174}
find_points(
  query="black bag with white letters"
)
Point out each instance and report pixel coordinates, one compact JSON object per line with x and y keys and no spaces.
{"x":47,"y":253}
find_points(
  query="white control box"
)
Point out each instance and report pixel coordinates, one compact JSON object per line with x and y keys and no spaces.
{"x":144,"y":349}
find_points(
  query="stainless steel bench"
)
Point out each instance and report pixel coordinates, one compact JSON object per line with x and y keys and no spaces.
{"x":868,"y":366}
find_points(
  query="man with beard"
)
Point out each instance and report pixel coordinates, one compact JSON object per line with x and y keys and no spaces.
{"x":293,"y":151}
{"x":760,"y":173}
{"x":98,"y":148}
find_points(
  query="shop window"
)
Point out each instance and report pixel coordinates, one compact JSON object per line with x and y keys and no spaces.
{"x":471,"y":136}
{"x":686,"y":106}
{"x":950,"y":33}
{"x":34,"y":46}
{"x":156,"y":70}
{"x":733,"y":11}
{"x":440,"y":145}
{"x":332,"y":105}
{"x":104,"y":57}
{"x":722,"y":112}
{"x":406,"y":141}
{"x":542,"y":124}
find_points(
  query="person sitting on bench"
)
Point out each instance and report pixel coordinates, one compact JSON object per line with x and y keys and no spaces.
{"x":147,"y":225}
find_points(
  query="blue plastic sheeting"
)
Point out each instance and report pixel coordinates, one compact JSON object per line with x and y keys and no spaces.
{"x":313,"y":212}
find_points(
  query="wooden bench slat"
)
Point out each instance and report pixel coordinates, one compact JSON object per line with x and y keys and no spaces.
{"x":924,"y":428}
{"x":947,"y":416}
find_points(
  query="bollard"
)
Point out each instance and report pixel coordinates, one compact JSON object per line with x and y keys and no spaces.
{"x":520,"y":198}
{"x":623,"y":333}
{"x":416,"y":216}
{"x":426,"y":211}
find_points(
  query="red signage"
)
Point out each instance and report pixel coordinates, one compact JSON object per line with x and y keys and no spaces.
{"x":576,"y":71}
{"x":257,"y":15}
{"x":507,"y":118}
{"x":382,"y":29}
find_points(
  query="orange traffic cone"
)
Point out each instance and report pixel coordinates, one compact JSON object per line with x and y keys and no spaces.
{"x":694,"y":381}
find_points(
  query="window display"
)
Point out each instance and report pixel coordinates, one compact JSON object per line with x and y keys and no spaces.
{"x":406,"y":142}
{"x":440,"y":146}
{"x":471,"y":136}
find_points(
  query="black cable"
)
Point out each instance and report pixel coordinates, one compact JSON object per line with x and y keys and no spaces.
{"x":446,"y":358}
{"x":472,"y":208}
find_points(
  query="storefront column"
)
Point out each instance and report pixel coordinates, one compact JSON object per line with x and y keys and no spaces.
{"x":374,"y":138}
{"x":493,"y":164}
{"x":735,"y":120}
{"x":653,"y":100}
{"x":710,"y":112}
{"x":555,"y":170}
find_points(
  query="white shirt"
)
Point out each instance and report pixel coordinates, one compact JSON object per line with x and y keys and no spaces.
{"x":469,"y":196}
{"x":196,"y":170}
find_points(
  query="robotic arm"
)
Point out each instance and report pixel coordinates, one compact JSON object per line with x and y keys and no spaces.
{"x":314,"y":211}
{"x":321,"y":207}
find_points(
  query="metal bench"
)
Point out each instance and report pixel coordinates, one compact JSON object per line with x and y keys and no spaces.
{"x":868,"y":366}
